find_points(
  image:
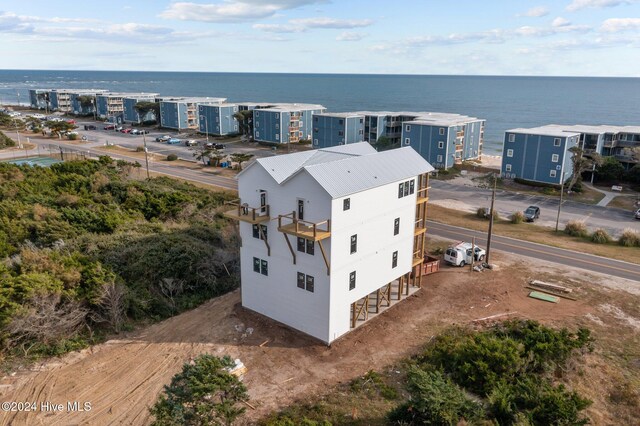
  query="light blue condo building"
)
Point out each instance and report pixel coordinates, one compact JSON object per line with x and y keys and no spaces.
{"x":284,"y":123}
{"x":181,"y":113}
{"x":129,"y":112}
{"x":218,"y":119}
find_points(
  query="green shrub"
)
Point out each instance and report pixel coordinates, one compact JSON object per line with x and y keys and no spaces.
{"x":6,"y":141}
{"x":435,"y":400}
{"x":72,"y":136}
{"x":629,"y":238}
{"x":600,"y":236}
{"x":139,"y":148}
{"x":481,"y":212}
{"x":576,"y":228}
{"x":517,"y":217}
{"x":549,"y":191}
{"x":172,"y":157}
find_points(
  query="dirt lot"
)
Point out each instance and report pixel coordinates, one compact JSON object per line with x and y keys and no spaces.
{"x":123,"y":377}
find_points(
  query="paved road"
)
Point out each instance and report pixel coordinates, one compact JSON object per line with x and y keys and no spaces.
{"x":611,"y":219}
{"x":588,"y":262}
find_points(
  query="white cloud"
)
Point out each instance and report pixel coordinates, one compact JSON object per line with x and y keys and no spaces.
{"x":231,"y":11}
{"x":615,"y":25}
{"x":350,"y":36}
{"x":305,"y":24}
{"x":536,"y":12}
{"x":560,"y":22}
{"x":583,"y":4}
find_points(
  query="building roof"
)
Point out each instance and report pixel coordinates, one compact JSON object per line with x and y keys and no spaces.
{"x":192,"y":100}
{"x":347,"y":169}
{"x":548,"y":130}
{"x":424,"y":117}
{"x":292,"y":107}
{"x":562,"y":130}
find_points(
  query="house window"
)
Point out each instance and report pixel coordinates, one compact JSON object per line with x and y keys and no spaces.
{"x":277,"y":115}
{"x":406,"y":188}
{"x":352,"y":280}
{"x":257,"y":134}
{"x":256,"y":231}
{"x":360,"y":131}
{"x":512,"y":137}
{"x":340,"y":133}
{"x":552,"y":173}
{"x":315,"y":119}
{"x":361,"y":121}
{"x":439,"y":159}
{"x":277,"y":137}
{"x":257,"y":124}
{"x":315,"y":142}
{"x":306,"y":246}
{"x":260,"y":266}
{"x":346,"y":204}
{"x":277,"y":125}
{"x":354,"y":243}
{"x":556,"y":141}
{"x":412,"y":186}
{"x":401,"y":190}
{"x":407,"y":128}
{"x":341,"y":122}
{"x":507,"y":167}
{"x":394,"y":259}
{"x":407,"y":141}
{"x":305,"y":282}
{"x":396,"y":226}
{"x":441,"y":131}
{"x":235,"y":127}
{"x":555,"y":158}
{"x":509,"y":153}
{"x":440,"y":144}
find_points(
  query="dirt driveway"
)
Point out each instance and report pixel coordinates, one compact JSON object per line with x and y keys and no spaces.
{"x":122,"y":378}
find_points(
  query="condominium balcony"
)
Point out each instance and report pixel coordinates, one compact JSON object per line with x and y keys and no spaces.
{"x":244,"y":213}
{"x":316,"y":231}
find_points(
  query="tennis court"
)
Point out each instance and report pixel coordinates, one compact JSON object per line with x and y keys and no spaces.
{"x":34,"y":161}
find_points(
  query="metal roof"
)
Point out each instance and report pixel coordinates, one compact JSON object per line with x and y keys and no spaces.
{"x":575,"y":129}
{"x":347,"y":169}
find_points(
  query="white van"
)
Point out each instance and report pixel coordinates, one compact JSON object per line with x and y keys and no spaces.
{"x":460,"y":254}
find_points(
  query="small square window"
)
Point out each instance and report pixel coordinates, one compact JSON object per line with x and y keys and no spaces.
{"x":277,"y":137}
{"x":439,"y":159}
{"x":257,"y":134}
{"x":407,"y":128}
{"x":507,"y":167}
{"x":441,"y":131}
{"x":257,"y":124}
{"x":407,"y":141}
{"x":346,"y":204}
{"x":512,"y":137}
{"x":396,"y":226}
{"x":354,"y":243}
{"x":556,"y":141}
{"x":315,"y":119}
{"x":301,"y":280}
{"x":552,"y":173}
{"x":315,"y":142}
{"x":352,"y":280}
{"x":394,"y":259}
{"x":340,"y":133}
{"x":301,"y":244}
{"x":440,"y":144}
{"x":555,"y":158}
{"x":509,"y":153}
{"x":277,"y":125}
{"x":341,"y":122}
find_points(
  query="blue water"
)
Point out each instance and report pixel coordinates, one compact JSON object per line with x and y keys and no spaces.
{"x":505,"y":102}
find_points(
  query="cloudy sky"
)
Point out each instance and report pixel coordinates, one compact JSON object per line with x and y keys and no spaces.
{"x":506,"y":37}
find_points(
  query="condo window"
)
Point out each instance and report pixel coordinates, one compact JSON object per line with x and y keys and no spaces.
{"x":310,"y":283}
{"x":315,"y":119}
{"x":256,"y":231}
{"x":507,"y":167}
{"x":260,"y":266}
{"x":306,"y":246}
{"x":509,"y":153}
{"x":361,"y":121}
{"x":277,"y":125}
{"x":394,"y":259}
{"x":257,"y":124}
{"x":257,"y":134}
{"x":556,"y":141}
{"x":256,"y":265}
{"x":305,"y":282}
{"x":340,"y":133}
{"x":346,"y":204}
{"x":341,"y":122}
{"x":277,"y":137}
{"x":401,"y":190}
{"x":277,"y":115}
{"x":555,"y":158}
{"x":301,"y":280}
{"x":352,"y":280}
{"x":440,"y":144}
{"x":407,"y":141}
{"x":407,"y":127}
{"x":441,"y":130}
{"x":315,"y":130}
{"x":396,"y":226}
{"x":354,"y":243}
{"x":439,"y":158}
{"x":552,"y":173}
{"x":512,"y":137}
{"x":406,"y":188}
{"x":315,"y":141}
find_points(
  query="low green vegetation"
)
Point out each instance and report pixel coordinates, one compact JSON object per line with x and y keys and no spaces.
{"x":203,"y":393}
{"x":88,"y":251}
{"x":600,"y":236}
{"x":508,"y":374}
{"x":517,"y":217}
{"x":629,"y":238}
{"x":6,"y":141}
{"x":576,"y":228}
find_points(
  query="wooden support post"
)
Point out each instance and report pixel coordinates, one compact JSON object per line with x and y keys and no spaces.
{"x":377,"y":301}
{"x":400,"y":286}
{"x":353,"y":315}
{"x":293,"y":253}
{"x":264,"y":238}
{"x":324,"y":256}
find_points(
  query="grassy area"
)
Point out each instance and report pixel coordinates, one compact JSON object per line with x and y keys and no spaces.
{"x":625,"y":202}
{"x":533,"y":233}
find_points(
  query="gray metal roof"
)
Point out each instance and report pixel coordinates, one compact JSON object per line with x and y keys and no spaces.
{"x":347,"y":169}
{"x":575,"y":129}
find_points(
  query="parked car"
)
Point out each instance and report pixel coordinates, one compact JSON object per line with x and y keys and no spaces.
{"x":134,"y":131}
{"x":143,"y":132}
{"x":174,"y":141}
{"x":532,"y":213}
{"x":109,"y":127}
{"x":90,"y":127}
{"x":637,"y":214}
{"x":125,"y":130}
{"x":163,"y":138}
{"x":212,"y":145}
{"x":191,"y":142}
{"x":460,"y":254}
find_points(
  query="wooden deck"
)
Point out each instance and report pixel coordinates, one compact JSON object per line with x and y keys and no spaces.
{"x":304,"y":231}
{"x":252,"y":216}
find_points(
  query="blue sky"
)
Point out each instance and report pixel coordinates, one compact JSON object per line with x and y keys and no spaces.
{"x":508,"y":37}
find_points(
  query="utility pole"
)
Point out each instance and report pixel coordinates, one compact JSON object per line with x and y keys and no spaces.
{"x":146,"y":155}
{"x":560,"y":204}
{"x":473,"y":252}
{"x":493,"y":200}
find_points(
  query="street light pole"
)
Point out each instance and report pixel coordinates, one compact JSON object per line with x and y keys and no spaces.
{"x":493,"y":200}
{"x":560,"y":204}
{"x":146,"y":156}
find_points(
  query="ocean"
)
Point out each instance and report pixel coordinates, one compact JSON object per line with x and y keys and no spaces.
{"x":505,"y":102}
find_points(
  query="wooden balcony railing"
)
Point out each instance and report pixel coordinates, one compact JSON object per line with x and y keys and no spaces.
{"x":245,"y":213}
{"x":290,"y":224}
